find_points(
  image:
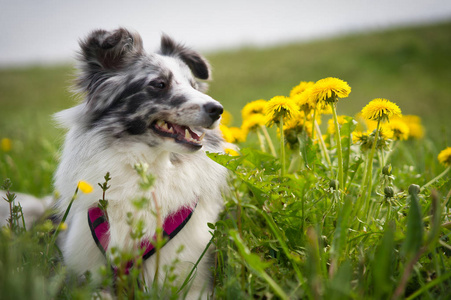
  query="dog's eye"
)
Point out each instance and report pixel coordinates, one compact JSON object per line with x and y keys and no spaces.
{"x":158,"y":84}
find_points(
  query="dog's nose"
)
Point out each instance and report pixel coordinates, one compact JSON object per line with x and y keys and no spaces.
{"x":213,"y":110}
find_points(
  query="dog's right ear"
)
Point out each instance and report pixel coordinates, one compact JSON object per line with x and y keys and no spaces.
{"x":104,"y":52}
{"x":110,"y":50}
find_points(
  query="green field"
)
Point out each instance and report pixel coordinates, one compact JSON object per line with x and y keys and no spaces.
{"x":294,"y":235}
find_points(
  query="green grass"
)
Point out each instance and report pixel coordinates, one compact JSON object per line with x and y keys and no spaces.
{"x":279,"y":237}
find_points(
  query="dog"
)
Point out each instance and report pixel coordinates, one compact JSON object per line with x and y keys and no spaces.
{"x":149,"y":109}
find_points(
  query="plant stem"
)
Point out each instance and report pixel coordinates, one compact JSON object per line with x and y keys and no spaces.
{"x":159,"y":232}
{"x":268,"y":139}
{"x":436,"y":178}
{"x":261,"y":141}
{"x":429,"y":285}
{"x":188,"y":277}
{"x":282,"y":146}
{"x":370,"y":166}
{"x":393,"y":147}
{"x":11,"y":227}
{"x":367,"y":172}
{"x":339,"y":151}
{"x":383,"y":158}
{"x":407,"y":271}
{"x":57,"y":230}
{"x":313,"y":124}
{"x":324,"y":148}
{"x":293,"y":167}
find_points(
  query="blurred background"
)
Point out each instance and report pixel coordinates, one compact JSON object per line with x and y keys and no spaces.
{"x":47,"y":31}
{"x":394,"y":49}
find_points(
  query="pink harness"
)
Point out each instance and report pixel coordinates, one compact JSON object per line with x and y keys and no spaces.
{"x":100,"y":230}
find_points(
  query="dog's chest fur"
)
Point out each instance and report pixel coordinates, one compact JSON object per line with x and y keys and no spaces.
{"x":180,"y":180}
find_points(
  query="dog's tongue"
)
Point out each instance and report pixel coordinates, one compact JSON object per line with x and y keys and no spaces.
{"x":180,"y":129}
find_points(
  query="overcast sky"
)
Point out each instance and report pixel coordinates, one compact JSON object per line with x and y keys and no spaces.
{"x":48,"y":31}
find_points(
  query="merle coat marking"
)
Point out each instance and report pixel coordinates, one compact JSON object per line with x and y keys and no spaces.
{"x":141,"y":108}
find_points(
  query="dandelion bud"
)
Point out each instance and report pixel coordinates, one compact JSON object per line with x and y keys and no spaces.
{"x":387,"y":170}
{"x":388,"y":191}
{"x":333,"y":184}
{"x":414,"y":189}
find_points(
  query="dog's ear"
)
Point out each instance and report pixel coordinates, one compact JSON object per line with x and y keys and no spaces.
{"x":110,"y":50}
{"x":198,"y":65}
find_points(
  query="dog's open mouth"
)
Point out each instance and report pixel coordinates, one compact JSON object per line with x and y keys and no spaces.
{"x":180,"y":133}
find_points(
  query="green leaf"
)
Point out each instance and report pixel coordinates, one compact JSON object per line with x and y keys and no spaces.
{"x":341,"y":231}
{"x":435,"y":226}
{"x":261,"y":160}
{"x":352,"y":170}
{"x":309,"y":151}
{"x":346,"y":141}
{"x":252,"y":259}
{"x":415,"y":227}
{"x":230,"y":162}
{"x":340,"y":285}
{"x":383,"y":263}
{"x":255,"y":264}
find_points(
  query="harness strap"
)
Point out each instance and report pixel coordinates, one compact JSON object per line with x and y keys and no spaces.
{"x":100,"y":230}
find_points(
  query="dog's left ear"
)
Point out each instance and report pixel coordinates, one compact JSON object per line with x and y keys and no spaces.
{"x":198,"y":65}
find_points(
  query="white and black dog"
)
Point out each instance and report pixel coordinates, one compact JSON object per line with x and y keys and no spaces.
{"x":141,"y":108}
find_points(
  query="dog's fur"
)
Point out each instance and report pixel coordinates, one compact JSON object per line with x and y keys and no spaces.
{"x":126,"y":91}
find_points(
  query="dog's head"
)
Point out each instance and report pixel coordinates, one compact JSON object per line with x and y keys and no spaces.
{"x":154,"y":98}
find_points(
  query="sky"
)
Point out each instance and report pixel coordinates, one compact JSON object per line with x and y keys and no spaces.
{"x":47,"y":31}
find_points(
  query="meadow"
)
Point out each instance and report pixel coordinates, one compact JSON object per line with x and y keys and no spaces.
{"x":290,"y":229}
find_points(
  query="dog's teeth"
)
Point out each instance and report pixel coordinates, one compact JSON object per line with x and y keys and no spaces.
{"x":165,"y":126}
{"x":161,"y":123}
{"x":187,"y":135}
{"x":171,"y":130}
{"x":201,"y":137}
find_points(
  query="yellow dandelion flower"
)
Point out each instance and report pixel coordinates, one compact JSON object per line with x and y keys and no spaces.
{"x":385,"y":133}
{"x":301,"y":87}
{"x":252,"y":122}
{"x":254,"y":107}
{"x":226,"y":118}
{"x":85,"y":187}
{"x":303,"y":101}
{"x":444,"y":157}
{"x":328,"y":90}
{"x":231,"y":152}
{"x":62,"y":226}
{"x":416,"y":129}
{"x":293,"y":127}
{"x":380,"y":109}
{"x":280,"y":106}
{"x":370,"y":124}
{"x":238,"y":134}
{"x":331,"y":125}
{"x":6,"y":144}
{"x":399,"y":129}
{"x":294,"y":124}
{"x":359,"y":136}
{"x":226,"y":133}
